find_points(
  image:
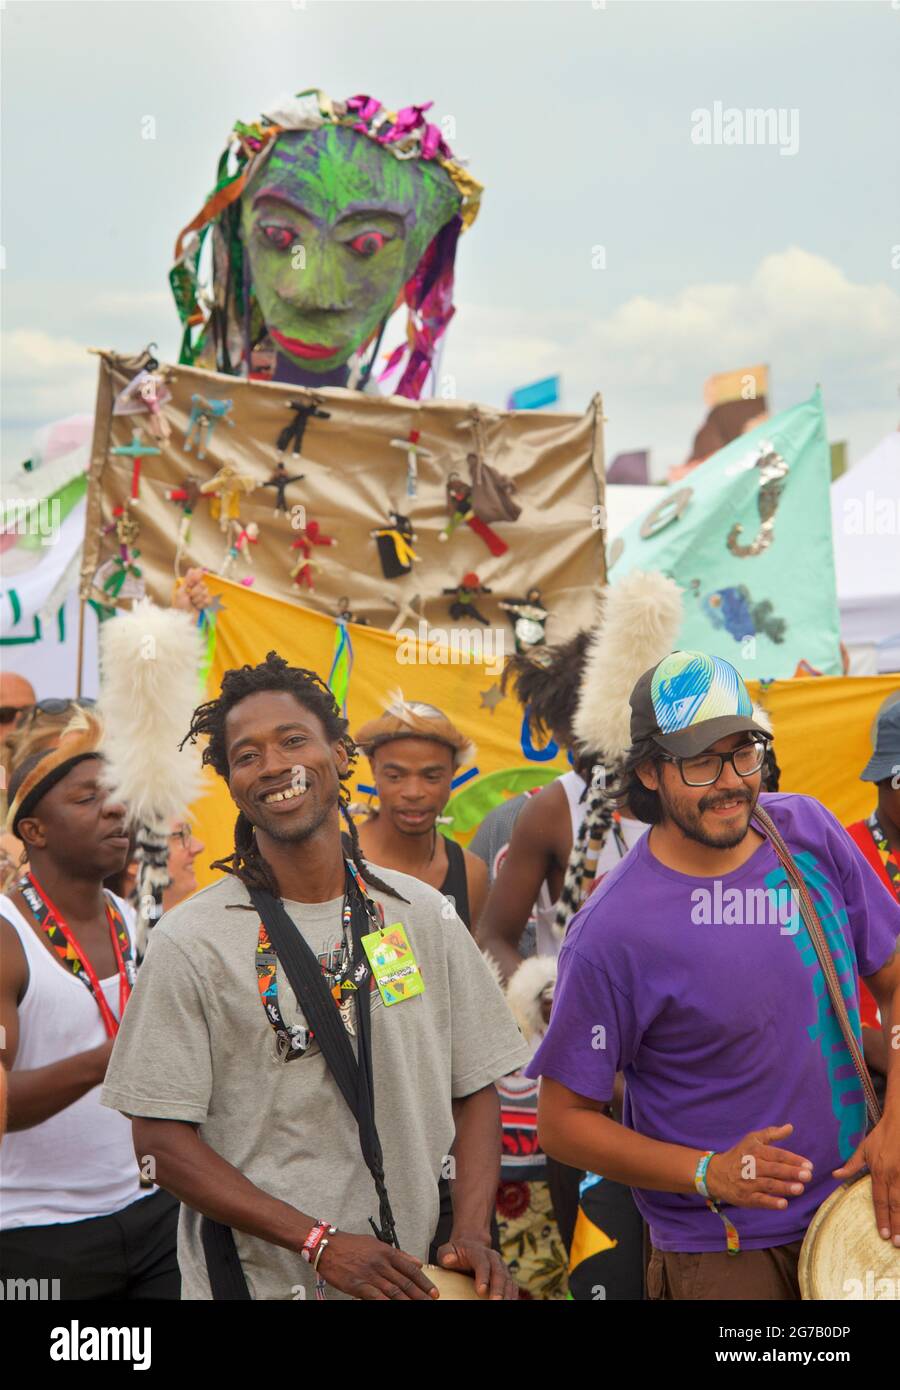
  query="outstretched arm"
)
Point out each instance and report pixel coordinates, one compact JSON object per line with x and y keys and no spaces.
{"x":514,"y":891}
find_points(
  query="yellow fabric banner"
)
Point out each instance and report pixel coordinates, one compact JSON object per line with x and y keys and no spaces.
{"x":468,"y":691}
{"x":822,"y":725}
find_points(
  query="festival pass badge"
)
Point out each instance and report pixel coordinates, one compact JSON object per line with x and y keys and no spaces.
{"x":393,"y":964}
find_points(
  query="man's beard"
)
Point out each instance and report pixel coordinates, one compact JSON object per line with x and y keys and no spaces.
{"x":688,"y":820}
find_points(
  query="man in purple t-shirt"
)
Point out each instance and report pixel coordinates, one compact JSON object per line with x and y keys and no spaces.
{"x":690,"y":970}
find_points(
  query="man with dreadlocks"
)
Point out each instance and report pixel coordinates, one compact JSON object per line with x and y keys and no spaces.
{"x":276,"y":1182}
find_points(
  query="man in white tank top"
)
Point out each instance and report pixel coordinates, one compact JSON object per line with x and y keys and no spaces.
{"x":75,"y":1214}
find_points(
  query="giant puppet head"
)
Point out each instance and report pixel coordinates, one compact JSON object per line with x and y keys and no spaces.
{"x":326,"y":217}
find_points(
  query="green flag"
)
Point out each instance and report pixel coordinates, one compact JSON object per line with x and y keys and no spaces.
{"x":747,"y":536}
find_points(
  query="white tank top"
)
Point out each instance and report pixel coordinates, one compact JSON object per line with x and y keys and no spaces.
{"x":547,"y":943}
{"x":80,"y":1163}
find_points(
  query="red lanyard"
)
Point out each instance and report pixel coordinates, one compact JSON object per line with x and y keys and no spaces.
{"x":51,"y":921}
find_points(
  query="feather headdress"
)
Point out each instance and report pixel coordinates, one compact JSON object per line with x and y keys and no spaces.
{"x":150,"y":663}
{"x":638,"y":626}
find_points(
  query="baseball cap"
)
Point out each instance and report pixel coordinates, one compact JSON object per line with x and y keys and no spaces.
{"x":885,"y":759}
{"x":689,"y":700}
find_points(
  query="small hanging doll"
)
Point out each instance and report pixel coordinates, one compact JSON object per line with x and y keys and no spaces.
{"x":293,"y":433}
{"x":241,"y":539}
{"x":137,"y":451}
{"x":395,"y":546}
{"x":226,"y":487}
{"x":463,"y":606}
{"x":414,"y":451}
{"x":280,"y":480}
{"x":459,"y":502}
{"x":147,"y":393}
{"x":187,"y":496}
{"x":346,"y":615}
{"x":528,"y":617}
{"x":205,"y":413}
{"x":120,"y":577}
{"x":310,"y":535}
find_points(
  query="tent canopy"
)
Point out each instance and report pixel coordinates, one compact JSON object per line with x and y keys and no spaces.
{"x":865,"y":514}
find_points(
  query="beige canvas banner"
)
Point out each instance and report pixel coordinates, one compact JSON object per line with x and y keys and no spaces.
{"x":355,"y":465}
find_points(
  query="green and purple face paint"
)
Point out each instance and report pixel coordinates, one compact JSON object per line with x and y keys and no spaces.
{"x":334,"y":226}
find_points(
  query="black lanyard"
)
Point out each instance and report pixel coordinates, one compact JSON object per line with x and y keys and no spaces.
{"x":353,"y":1074}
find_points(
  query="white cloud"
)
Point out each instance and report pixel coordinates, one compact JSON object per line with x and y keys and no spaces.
{"x":797,"y":311}
{"x":44,"y":379}
{"x":123,"y":303}
{"x":30,"y":356}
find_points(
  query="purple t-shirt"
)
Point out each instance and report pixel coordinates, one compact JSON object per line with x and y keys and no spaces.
{"x":712,"y":1003}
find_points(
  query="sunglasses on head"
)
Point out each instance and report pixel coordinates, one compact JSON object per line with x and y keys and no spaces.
{"x":26,"y":714}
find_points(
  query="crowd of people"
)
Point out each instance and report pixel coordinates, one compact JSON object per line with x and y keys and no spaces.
{"x":365,"y":1057}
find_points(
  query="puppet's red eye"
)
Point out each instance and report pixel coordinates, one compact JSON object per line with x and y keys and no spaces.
{"x":367,"y":243}
{"x":280,"y":237}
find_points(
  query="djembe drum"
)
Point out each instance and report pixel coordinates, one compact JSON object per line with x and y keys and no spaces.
{"x":843,"y":1256}
{"x":453,"y":1286}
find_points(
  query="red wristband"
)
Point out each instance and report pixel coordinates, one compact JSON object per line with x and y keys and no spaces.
{"x":310,"y":1245}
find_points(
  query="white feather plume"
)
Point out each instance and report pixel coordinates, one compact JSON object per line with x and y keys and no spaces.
{"x":150,"y":663}
{"x":639,"y":625}
{"x":762,"y":716}
{"x":525,"y":991}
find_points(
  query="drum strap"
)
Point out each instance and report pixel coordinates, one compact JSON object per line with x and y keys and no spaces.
{"x":820,"y":945}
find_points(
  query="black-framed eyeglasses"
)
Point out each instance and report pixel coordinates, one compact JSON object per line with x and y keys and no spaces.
{"x":706,"y":768}
{"x":184,"y":834}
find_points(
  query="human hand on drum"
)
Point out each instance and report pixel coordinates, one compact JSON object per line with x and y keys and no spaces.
{"x":366,"y":1268}
{"x":470,"y":1255}
{"x":755,"y":1173}
{"x":880,"y":1153}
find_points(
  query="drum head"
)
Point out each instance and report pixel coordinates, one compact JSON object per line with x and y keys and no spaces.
{"x":452,"y":1284}
{"x":843,"y":1257}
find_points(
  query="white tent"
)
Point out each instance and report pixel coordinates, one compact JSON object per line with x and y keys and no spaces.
{"x":625,"y":502}
{"x":865,"y":518}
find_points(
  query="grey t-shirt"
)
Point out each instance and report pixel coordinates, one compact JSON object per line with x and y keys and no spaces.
{"x":196,"y":1045}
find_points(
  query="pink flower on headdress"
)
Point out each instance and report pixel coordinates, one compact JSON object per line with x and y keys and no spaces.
{"x":366,"y":107}
{"x":408,"y":120}
{"x":432,"y":143}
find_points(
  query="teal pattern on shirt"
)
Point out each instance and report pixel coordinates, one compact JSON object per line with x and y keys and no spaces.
{"x":847,"y":1099}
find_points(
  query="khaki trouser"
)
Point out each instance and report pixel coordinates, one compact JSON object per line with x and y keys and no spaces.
{"x":768,"y":1275}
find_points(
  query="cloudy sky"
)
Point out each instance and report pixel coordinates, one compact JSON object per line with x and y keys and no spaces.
{"x":578,"y":118}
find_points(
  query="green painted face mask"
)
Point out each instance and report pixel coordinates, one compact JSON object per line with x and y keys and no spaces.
{"x":333,"y":227}
{"x":325,"y":217}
